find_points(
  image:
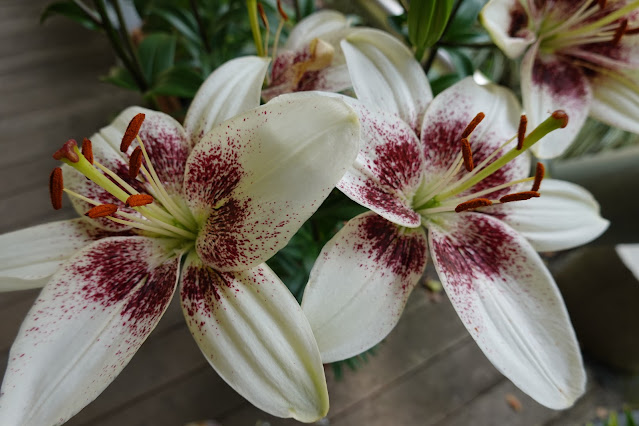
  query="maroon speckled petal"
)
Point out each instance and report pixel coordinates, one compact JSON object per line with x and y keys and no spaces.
{"x":549,"y":83}
{"x":510,"y":304}
{"x":389,"y":166}
{"x":28,"y":257}
{"x":254,"y":333}
{"x":360,"y":283}
{"x":449,"y":114}
{"x":84,"y":328}
{"x":253,"y":180}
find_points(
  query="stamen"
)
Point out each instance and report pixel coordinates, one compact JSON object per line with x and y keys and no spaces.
{"x":56,"y":187}
{"x":87,"y":150}
{"x":468,"y":154}
{"x":473,"y":204}
{"x":521,"y":132}
{"x":137,"y":200}
{"x":539,"y":175}
{"x":260,"y":9}
{"x":102,"y":210}
{"x":621,"y":30}
{"x":474,"y":123}
{"x":67,"y":151}
{"x":281,"y":11}
{"x":632,"y":31}
{"x":602,"y":4}
{"x":135,"y":162}
{"x":519,"y":196}
{"x":131,"y":131}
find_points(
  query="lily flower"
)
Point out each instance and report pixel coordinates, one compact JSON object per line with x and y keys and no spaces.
{"x":581,"y":56}
{"x":459,"y":189}
{"x":202,"y":205}
{"x":629,"y":255}
{"x":311,"y":58}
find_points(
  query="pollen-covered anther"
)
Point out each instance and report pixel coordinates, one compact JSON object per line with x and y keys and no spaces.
{"x":467,"y":154}
{"x":137,"y":200}
{"x":602,"y":4}
{"x":68,"y":151}
{"x":519,"y":196}
{"x":621,"y":30}
{"x":561,"y":115}
{"x":473,"y":204}
{"x":87,"y":150}
{"x":101,"y":211}
{"x":131,"y":131}
{"x":135,"y":162}
{"x":56,"y":186}
{"x":540,"y":171}
{"x":281,"y":10}
{"x":260,"y":9}
{"x":474,"y":123}
{"x":521,"y":132}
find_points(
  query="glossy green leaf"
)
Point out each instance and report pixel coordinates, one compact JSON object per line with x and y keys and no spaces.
{"x":157,"y":54}
{"x":179,"y":81}
{"x":72,"y":11}
{"x":427,"y":21}
{"x":120,"y":77}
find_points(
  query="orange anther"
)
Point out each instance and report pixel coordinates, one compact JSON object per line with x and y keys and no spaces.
{"x":521,"y":132}
{"x":471,"y":126}
{"x":519,"y":196}
{"x":621,"y":30}
{"x":467,"y":153}
{"x":281,"y":10}
{"x":561,"y":115}
{"x":131,"y":131}
{"x":540,"y":171}
{"x":135,"y":162}
{"x":602,"y":4}
{"x":137,"y":200}
{"x":102,"y":210}
{"x":68,"y":151}
{"x":56,"y":186}
{"x":87,"y":150}
{"x":473,"y":204}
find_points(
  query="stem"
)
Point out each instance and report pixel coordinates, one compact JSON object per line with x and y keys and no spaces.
{"x":117,"y":46}
{"x":90,"y":13}
{"x":251,"y":5}
{"x":200,"y":26}
{"x":127,"y":37}
{"x":549,"y":125}
{"x":469,"y":45}
{"x":298,"y":11}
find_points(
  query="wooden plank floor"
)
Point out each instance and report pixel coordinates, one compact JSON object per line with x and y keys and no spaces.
{"x":428,"y":372}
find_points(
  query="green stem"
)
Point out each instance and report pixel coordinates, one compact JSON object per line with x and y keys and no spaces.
{"x":127,"y":38}
{"x":550,"y":124}
{"x":435,"y":48}
{"x":251,"y":5}
{"x":89,"y":13}
{"x":200,"y":26}
{"x":117,"y":46}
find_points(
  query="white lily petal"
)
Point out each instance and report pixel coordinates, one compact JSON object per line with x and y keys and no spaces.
{"x":629,"y":254}
{"x":28,"y":257}
{"x":256,"y":178}
{"x":449,"y":114}
{"x":510,"y":304}
{"x":509,"y":25}
{"x":233,"y":88}
{"x":549,"y":84}
{"x":316,"y":25}
{"x":616,"y":102}
{"x":565,"y":216}
{"x":253,"y":332}
{"x":386,"y":76}
{"x":84,"y":328}
{"x":360,"y":283}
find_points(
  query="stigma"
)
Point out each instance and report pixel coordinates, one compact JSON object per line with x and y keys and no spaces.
{"x":153,"y":213}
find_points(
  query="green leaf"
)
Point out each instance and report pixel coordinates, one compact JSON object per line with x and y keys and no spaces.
{"x":179,"y":80}
{"x":427,"y":21}
{"x":442,"y":83}
{"x":183,"y":21}
{"x":465,"y":27}
{"x":121,"y":78}
{"x":71,"y":11}
{"x":156,"y":53}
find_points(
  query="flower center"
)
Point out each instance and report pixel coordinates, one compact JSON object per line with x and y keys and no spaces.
{"x":450,"y":192}
{"x":159,"y":214}
{"x":593,"y":23}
